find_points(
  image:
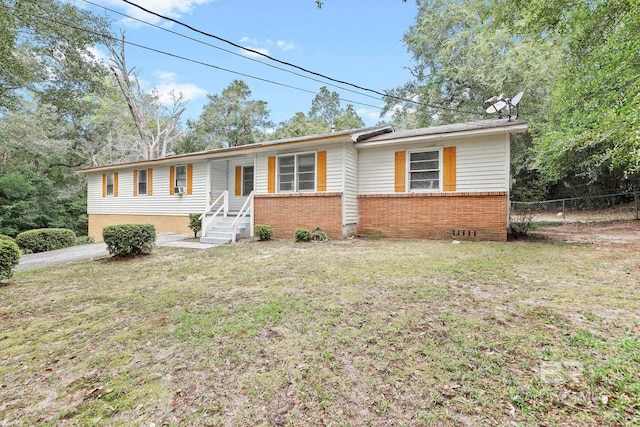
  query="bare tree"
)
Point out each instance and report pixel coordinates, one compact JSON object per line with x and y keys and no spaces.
{"x":156,"y":124}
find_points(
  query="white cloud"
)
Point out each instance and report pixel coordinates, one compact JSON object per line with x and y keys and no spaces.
{"x":170,"y":8}
{"x":284,"y":46}
{"x":255,"y":55}
{"x":168,"y":83}
{"x":264,"y":46}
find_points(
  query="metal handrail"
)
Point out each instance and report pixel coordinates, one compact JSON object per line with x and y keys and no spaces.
{"x":243,"y":212}
{"x":204,"y":222}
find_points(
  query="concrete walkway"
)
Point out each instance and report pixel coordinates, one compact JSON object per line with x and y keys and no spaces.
{"x":96,"y":250}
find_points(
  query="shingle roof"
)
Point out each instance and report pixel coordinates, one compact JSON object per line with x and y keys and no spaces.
{"x":453,"y":128}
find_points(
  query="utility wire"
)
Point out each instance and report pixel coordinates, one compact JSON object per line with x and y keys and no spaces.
{"x":255,"y":52}
{"x":70,"y":25}
{"x":227,"y":50}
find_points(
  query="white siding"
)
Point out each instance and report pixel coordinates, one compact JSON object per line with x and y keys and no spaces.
{"x":482,"y":164}
{"x":218,"y":171}
{"x":236,"y":202}
{"x":376,"y":170}
{"x":334,"y":166}
{"x":350,"y":196}
{"x":159,"y":203}
{"x":261,"y":172}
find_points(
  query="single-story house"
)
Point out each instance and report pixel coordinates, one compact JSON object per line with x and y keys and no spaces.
{"x":444,"y":182}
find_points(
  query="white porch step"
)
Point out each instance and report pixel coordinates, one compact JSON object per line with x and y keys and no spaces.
{"x":220,"y":231}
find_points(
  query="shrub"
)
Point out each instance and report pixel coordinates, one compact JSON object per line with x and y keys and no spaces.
{"x":45,"y":239}
{"x":302,"y":235}
{"x":84,"y":240}
{"x":264,"y":232}
{"x":128,"y":240}
{"x":319,"y":236}
{"x":7,"y":238}
{"x":195,"y":224}
{"x":9,"y":256}
{"x":520,"y":223}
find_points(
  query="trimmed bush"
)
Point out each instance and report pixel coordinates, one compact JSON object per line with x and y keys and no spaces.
{"x":7,"y":238}
{"x":84,"y":240}
{"x":45,"y":239}
{"x":129,"y":240}
{"x":264,"y":232}
{"x":195,"y":224}
{"x":9,"y":256}
{"x":302,"y":235}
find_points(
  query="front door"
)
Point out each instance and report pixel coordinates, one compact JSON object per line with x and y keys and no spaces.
{"x":241,"y":180}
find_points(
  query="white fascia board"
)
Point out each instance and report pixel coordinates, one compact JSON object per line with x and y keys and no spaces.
{"x":446,"y":136}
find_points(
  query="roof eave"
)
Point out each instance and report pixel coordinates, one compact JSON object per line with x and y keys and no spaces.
{"x":512,"y":129}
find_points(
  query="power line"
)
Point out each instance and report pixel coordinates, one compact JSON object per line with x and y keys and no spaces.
{"x":70,"y":25}
{"x":227,"y":50}
{"x":255,"y":52}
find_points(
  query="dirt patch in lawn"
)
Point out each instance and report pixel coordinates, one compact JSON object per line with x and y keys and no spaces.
{"x":592,"y":232}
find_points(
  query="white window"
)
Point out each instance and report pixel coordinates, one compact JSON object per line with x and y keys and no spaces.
{"x":181,"y":176}
{"x":110,"y":184}
{"x":424,"y":170}
{"x":247,"y":180}
{"x":142,"y":181}
{"x":297,"y":173}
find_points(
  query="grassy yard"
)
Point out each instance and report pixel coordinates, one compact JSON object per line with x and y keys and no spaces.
{"x":352,"y":333}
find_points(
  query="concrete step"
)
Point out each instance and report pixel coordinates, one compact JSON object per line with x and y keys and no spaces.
{"x":222,"y":233}
{"x":215,"y":240}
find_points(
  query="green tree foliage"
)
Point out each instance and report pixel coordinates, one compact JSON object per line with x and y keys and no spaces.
{"x":231,"y":118}
{"x":324,"y":116}
{"x":325,"y":107}
{"x":42,"y":50}
{"x":348,"y":119}
{"x":299,"y":125}
{"x":592,"y":136}
{"x":577,"y":61}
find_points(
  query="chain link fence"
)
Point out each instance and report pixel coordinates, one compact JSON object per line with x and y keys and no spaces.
{"x":610,"y":207}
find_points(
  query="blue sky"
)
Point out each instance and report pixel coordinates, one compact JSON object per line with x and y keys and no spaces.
{"x":359,"y":41}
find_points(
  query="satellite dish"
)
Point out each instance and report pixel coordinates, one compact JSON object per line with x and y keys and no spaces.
{"x":497,"y":107}
{"x":498,"y":102}
{"x":516,"y":99}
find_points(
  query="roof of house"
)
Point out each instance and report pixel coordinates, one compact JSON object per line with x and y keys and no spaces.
{"x":376,"y":135}
{"x":490,"y":126}
{"x":351,"y":134}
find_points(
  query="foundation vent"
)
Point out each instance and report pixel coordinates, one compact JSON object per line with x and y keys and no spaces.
{"x":463,"y":233}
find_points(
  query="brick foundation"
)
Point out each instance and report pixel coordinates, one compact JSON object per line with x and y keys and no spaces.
{"x":286,"y":212}
{"x":451,"y":216}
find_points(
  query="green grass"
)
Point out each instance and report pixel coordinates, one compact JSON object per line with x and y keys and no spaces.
{"x":361,"y":332}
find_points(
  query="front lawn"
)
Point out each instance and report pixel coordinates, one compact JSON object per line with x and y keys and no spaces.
{"x":356,"y":332}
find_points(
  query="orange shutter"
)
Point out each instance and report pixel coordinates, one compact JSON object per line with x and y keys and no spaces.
{"x":115,"y":184}
{"x":172,"y":180}
{"x":400,"y":176}
{"x":190,"y":178}
{"x":135,"y":182}
{"x":104,"y":185}
{"x":149,"y":181}
{"x":449,"y":155}
{"x":271,"y":175}
{"x":238,"y":180}
{"x":322,"y":171}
